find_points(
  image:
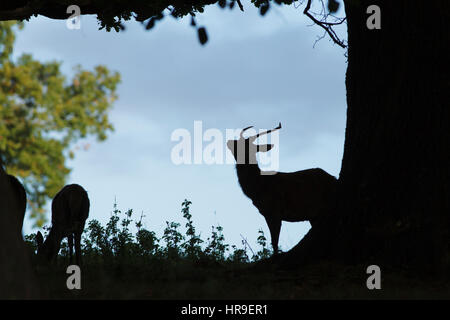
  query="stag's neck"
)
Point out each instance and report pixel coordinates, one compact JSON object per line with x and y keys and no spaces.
{"x":249,"y":176}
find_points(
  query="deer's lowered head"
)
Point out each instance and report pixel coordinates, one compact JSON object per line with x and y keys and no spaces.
{"x":49,"y":248}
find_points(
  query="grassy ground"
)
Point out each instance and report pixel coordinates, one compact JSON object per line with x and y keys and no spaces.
{"x":210,"y":280}
{"x":120,"y":265}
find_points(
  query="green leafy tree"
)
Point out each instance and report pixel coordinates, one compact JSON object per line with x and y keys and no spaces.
{"x":42,"y":115}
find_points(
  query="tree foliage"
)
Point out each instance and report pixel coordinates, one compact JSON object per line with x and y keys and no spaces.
{"x":112,"y":14}
{"x":42,"y":115}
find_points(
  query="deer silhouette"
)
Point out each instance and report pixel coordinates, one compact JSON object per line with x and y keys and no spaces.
{"x":70,"y":209}
{"x":281,"y":196}
{"x":20,"y":198}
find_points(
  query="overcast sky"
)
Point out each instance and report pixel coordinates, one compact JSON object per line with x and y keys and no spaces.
{"x":253,"y":71}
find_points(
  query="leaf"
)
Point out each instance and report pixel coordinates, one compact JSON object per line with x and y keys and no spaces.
{"x":150,"y":24}
{"x":193,"y":23}
{"x":333,"y":6}
{"x":264,"y":8}
{"x":202,"y":36}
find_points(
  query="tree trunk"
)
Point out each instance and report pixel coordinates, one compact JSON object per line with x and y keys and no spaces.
{"x":16,"y":277}
{"x":393,"y":204}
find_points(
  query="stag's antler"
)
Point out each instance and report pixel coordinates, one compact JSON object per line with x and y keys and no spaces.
{"x":268,"y":131}
{"x":243,"y":130}
{"x":259,"y":134}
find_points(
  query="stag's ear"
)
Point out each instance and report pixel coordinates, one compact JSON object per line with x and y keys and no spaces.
{"x":39,"y":239}
{"x":264,"y":147}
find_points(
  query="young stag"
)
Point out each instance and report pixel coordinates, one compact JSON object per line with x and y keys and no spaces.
{"x":295,"y":196}
{"x":20,"y":199}
{"x":70,"y":209}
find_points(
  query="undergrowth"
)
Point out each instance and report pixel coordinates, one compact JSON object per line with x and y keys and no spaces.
{"x":115,"y":243}
{"x":120,"y":263}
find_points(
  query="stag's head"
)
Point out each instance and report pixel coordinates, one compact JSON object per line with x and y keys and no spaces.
{"x":244,"y":149}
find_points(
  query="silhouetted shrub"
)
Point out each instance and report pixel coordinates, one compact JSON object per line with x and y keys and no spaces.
{"x":115,"y":243}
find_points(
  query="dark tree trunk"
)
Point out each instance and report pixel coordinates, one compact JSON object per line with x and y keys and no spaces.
{"x":393,"y":204}
{"x":16,"y":277}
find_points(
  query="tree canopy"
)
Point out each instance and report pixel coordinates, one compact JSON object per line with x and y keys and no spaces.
{"x":112,"y":14}
{"x":42,"y":114}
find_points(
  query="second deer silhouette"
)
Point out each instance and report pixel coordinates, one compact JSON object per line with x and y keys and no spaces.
{"x":70,"y":209}
{"x":296,"y":196}
{"x":20,"y":197}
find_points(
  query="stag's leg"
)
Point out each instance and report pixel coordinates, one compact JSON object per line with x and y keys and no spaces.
{"x":70,"y":242}
{"x":78,"y":248}
{"x":274,"y":227}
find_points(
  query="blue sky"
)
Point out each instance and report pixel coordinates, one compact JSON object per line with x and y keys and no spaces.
{"x":253,"y":71}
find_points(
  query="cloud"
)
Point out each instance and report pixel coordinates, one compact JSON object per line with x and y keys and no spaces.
{"x":253,"y":71}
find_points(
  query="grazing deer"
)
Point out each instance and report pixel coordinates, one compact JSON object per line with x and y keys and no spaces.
{"x":294,"y":196}
{"x":20,"y":197}
{"x":70,"y":209}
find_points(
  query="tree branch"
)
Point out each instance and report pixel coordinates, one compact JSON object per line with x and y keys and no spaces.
{"x":327,"y":26}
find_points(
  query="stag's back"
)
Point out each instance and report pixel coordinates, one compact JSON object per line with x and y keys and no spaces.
{"x":70,"y":208}
{"x":298,"y":196}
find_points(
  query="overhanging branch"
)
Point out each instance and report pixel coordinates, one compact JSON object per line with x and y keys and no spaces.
{"x":327,"y":26}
